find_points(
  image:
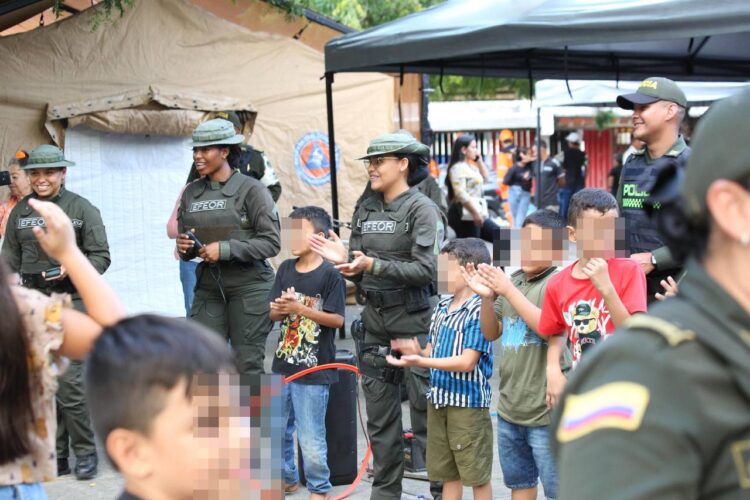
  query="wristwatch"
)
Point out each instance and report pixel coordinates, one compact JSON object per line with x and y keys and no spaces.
{"x":653,"y":260}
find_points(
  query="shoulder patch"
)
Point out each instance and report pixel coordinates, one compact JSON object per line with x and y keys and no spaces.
{"x":618,"y":405}
{"x":671,"y":333}
{"x":439,"y":235}
{"x":741,"y":457}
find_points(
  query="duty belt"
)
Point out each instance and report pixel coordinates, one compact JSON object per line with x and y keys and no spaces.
{"x":37,"y":282}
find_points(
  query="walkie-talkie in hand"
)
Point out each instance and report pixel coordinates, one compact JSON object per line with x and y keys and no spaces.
{"x":196,"y":242}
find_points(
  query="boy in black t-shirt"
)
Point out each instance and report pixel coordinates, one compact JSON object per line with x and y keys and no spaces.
{"x":309,"y":298}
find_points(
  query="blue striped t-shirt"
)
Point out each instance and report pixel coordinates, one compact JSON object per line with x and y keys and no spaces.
{"x":451,"y":333}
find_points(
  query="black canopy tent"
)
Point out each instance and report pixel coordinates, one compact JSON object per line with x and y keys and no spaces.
{"x":559,"y":39}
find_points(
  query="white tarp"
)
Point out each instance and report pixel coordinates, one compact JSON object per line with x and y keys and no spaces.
{"x":134,"y":181}
{"x":604,"y":93}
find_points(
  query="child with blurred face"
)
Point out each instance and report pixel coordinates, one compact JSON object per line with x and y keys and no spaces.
{"x":308,"y":298}
{"x":460,"y":363}
{"x":149,"y":399}
{"x":590,"y":298}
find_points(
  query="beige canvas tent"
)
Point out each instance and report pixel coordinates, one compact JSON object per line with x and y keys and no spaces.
{"x":123,"y":99}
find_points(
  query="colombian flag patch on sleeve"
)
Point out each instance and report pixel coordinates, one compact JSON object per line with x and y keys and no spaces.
{"x":618,"y":405}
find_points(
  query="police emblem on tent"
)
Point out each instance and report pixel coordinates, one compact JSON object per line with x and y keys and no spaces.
{"x":312,"y":160}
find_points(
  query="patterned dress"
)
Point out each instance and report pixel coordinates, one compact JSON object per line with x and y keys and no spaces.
{"x":42,"y":318}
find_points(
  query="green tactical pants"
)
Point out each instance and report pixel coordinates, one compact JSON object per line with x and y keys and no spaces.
{"x":73,"y":421}
{"x":243,"y":320}
{"x":384,"y":426}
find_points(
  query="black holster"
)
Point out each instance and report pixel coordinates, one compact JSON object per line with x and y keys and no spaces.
{"x":373,"y":364}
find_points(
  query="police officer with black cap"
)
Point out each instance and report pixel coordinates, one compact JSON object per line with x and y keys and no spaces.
{"x":393,"y":248}
{"x":658,"y":110}
{"x":662,"y":409}
{"x":47,"y":167}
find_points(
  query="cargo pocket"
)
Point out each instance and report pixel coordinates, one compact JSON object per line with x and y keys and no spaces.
{"x":203,"y":308}
{"x":462,"y":443}
{"x":257,"y":324}
{"x":99,"y":234}
{"x":470,"y":441}
{"x":374,"y":390}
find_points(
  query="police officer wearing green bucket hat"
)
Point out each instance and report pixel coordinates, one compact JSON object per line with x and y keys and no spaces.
{"x":662,"y":409}
{"x":392,"y":257}
{"x":235,"y":220}
{"x":47,"y":168}
{"x":248,"y":160}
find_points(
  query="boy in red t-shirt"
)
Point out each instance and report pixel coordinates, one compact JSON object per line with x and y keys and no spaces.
{"x":596,"y":294}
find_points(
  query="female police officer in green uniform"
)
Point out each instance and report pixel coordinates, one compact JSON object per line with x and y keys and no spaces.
{"x":47,"y":168}
{"x":234,"y":218}
{"x":662,"y":410}
{"x":393,"y":258}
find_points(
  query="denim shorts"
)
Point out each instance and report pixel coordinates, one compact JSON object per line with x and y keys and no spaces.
{"x":526,"y":457}
{"x":23,"y":491}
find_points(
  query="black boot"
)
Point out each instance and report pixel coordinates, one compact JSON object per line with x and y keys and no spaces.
{"x":86,"y":466}
{"x":63,"y":467}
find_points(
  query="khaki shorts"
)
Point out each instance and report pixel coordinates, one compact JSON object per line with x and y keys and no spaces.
{"x":459,"y":444}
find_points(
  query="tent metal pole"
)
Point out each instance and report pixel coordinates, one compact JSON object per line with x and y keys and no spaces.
{"x":332,"y":151}
{"x":540,"y":187}
{"x":332,"y":163}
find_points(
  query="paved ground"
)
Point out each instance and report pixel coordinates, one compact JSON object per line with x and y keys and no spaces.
{"x":108,"y":484}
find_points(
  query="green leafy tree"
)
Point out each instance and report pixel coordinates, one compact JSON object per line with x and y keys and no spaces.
{"x":103,"y":13}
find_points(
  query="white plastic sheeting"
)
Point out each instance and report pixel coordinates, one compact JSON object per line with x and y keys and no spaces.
{"x":604,"y":93}
{"x":134,"y":181}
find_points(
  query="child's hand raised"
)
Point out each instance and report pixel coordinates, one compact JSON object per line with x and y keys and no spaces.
{"x":407,"y":346}
{"x":496,"y":279}
{"x":478,"y":285}
{"x":289,"y":295}
{"x":597,"y":271}
{"x":404,"y":360}
{"x":57,"y":237}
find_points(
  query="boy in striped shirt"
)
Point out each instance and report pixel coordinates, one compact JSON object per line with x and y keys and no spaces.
{"x":459,"y":429}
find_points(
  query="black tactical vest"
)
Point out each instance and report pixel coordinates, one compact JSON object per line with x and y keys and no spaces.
{"x":33,"y":259}
{"x":638,"y":176}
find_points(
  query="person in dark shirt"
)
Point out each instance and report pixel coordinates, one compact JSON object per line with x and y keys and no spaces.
{"x":552,"y":179}
{"x":308,"y":297}
{"x":613,"y":179}
{"x":574,"y":163}
{"x":520,"y":178}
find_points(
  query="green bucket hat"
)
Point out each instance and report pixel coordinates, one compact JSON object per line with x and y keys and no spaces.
{"x":653,"y":89}
{"x":214,"y":133}
{"x":47,"y":156}
{"x":720,"y":151}
{"x":398,"y":142}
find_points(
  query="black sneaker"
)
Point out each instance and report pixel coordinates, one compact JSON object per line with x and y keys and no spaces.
{"x":86,"y":467}
{"x":63,"y":467}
